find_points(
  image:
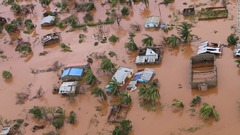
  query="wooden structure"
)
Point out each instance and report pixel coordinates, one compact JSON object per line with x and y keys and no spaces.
{"x":213,"y":13}
{"x":118,"y":113}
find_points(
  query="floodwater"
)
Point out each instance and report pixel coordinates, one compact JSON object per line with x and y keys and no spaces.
{"x":173,"y":74}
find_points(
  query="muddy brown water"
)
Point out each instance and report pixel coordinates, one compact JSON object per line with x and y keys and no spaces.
{"x":173,"y":74}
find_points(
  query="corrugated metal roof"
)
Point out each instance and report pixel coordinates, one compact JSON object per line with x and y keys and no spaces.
{"x":75,"y":71}
{"x":122,"y":73}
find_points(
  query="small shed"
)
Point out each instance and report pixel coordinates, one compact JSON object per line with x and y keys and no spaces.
{"x":122,"y":74}
{"x":188,"y":11}
{"x":48,"y":21}
{"x":152,"y":22}
{"x":68,"y":87}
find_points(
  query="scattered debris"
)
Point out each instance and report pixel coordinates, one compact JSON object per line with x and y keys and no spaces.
{"x":54,"y":68}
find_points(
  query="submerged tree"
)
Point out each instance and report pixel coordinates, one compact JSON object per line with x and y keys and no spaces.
{"x":125,"y":98}
{"x":113,"y":86}
{"x":184,"y":31}
{"x":232,"y":39}
{"x":148,"y":41}
{"x":123,"y":128}
{"x":107,"y":65}
{"x":89,"y":77}
{"x":6,"y":74}
{"x":16,"y":8}
{"x":208,"y":111}
{"x":98,"y":92}
{"x":131,"y":45}
{"x":177,"y":103}
{"x":149,"y":94}
{"x":168,"y":1}
{"x":45,"y":2}
{"x":173,"y":41}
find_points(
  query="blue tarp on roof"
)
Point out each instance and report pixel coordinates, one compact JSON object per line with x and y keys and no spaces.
{"x":72,"y":72}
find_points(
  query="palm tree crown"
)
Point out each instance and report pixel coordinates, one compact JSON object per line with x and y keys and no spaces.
{"x":184,"y":31}
{"x":148,"y":41}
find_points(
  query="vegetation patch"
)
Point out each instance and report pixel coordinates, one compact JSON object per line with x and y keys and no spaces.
{"x":213,"y":13}
{"x":6,"y":74}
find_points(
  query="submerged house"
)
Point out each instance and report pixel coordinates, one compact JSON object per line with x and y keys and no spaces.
{"x":51,"y":38}
{"x":203,"y":72}
{"x":68,"y":87}
{"x":152,"y":22}
{"x":236,"y":51}
{"x":141,"y":76}
{"x":149,"y":55}
{"x":48,"y":21}
{"x":73,"y":72}
{"x":121,"y":75}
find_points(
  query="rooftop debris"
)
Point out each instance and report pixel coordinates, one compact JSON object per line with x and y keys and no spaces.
{"x":69,"y":87}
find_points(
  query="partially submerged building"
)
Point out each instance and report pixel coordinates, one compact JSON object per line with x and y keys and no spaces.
{"x":149,"y":55}
{"x":213,"y":13}
{"x":152,"y":22}
{"x":73,"y":72}
{"x":48,"y":21}
{"x":121,"y":75}
{"x":205,"y":47}
{"x":69,"y":87}
{"x":203,"y":71}
{"x":51,"y":38}
{"x":141,"y":76}
{"x":236,"y":51}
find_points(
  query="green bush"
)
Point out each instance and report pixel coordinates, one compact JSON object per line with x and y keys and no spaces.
{"x":72,"y":117}
{"x":36,"y":111}
{"x":113,"y":38}
{"x":125,"y":11}
{"x":65,"y":47}
{"x":11,"y":28}
{"x":45,"y":2}
{"x":29,"y":24}
{"x":58,"y":123}
{"x":88,"y":17}
{"x":61,"y":25}
{"x":6,"y":74}
{"x":16,"y":8}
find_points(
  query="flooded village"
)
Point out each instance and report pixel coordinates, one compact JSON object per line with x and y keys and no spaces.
{"x":119,"y":67}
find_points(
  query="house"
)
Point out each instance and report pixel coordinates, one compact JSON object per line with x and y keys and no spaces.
{"x":68,"y":87}
{"x":236,"y":51}
{"x":5,"y":130}
{"x":121,"y":75}
{"x":73,"y":72}
{"x":152,"y":22}
{"x":141,"y":76}
{"x":188,"y":11}
{"x":50,"y":38}
{"x":203,"y":71}
{"x":205,"y":47}
{"x":149,"y":55}
{"x":48,"y":21}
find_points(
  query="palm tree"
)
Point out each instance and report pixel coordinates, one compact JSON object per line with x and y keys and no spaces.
{"x":177,"y":103}
{"x":232,"y":39}
{"x":195,"y":101}
{"x":98,"y":92}
{"x":208,"y":111}
{"x":11,"y":28}
{"x":131,"y":45}
{"x":173,"y":41}
{"x":107,"y":65}
{"x":89,"y":77}
{"x":125,"y":98}
{"x":148,"y":41}
{"x":113,"y":85}
{"x":184,"y":31}
{"x":148,"y":94}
